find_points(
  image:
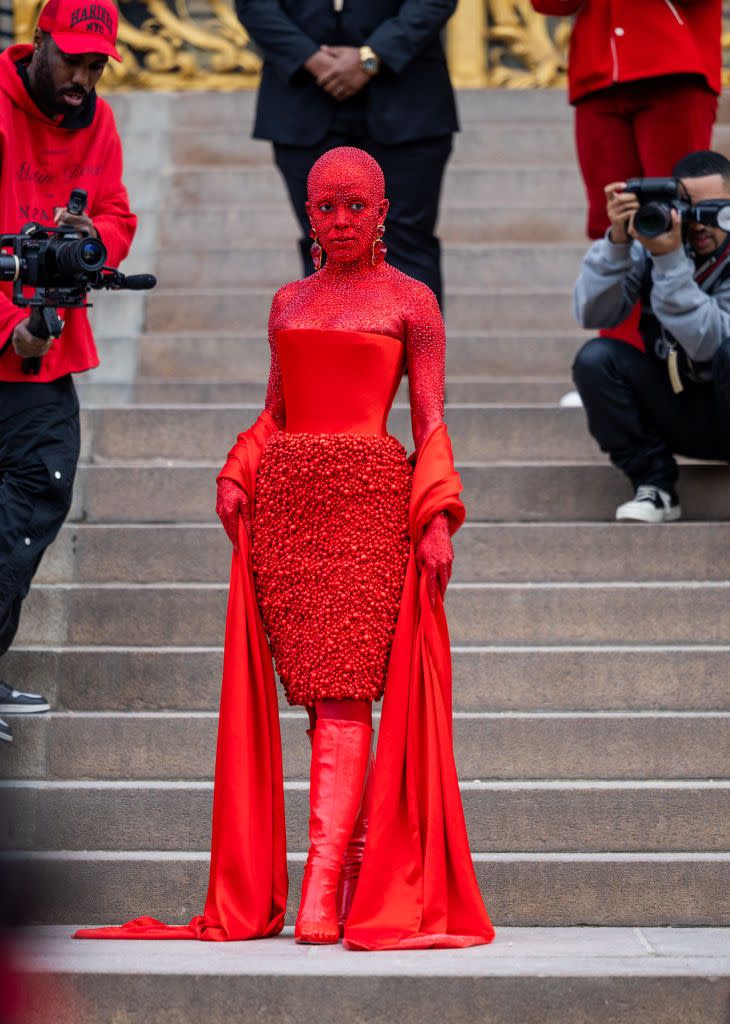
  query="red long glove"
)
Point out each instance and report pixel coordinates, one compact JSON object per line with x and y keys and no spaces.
{"x":231,"y":502}
{"x":435,"y":556}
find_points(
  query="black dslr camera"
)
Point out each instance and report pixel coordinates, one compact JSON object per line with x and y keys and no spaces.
{"x":61,"y":265}
{"x":659,"y":196}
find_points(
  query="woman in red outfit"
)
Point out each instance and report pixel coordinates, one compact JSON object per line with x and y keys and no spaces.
{"x":330,"y":529}
{"x":342,"y":555}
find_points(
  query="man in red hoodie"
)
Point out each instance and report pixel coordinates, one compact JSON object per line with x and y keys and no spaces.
{"x":56,"y":134}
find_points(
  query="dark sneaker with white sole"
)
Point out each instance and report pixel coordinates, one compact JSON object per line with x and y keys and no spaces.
{"x":650,"y":504}
{"x":16,"y":702}
{"x":5,"y":733}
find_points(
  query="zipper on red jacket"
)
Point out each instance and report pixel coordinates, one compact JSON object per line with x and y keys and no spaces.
{"x":674,"y":11}
{"x":614,"y":55}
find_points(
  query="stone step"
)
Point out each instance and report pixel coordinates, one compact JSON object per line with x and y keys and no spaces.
{"x":565,"y":678}
{"x":488,"y":745}
{"x":193,"y":187}
{"x":505,"y":143}
{"x":525,"y":143}
{"x":601,"y":975}
{"x":501,"y":816}
{"x":468,"y":265}
{"x":514,"y":492}
{"x":522,"y":889}
{"x":211,"y":309}
{"x":157,"y":391}
{"x":485,"y":552}
{"x":235,"y":356}
{"x":220,"y":227}
{"x":234,"y":111}
{"x":500,"y":613}
{"x":204,"y":432}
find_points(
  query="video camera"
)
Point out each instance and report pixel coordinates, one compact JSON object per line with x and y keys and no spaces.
{"x":659,"y":196}
{"x":62,"y":265}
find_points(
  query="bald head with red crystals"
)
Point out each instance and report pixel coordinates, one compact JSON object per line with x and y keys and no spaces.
{"x":346,"y":191}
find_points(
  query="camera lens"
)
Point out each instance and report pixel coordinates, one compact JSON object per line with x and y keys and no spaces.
{"x":9,"y":267}
{"x":76,"y":256}
{"x":653,"y":219}
{"x":92,"y":254}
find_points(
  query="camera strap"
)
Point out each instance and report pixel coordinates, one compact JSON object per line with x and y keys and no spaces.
{"x":715,"y":268}
{"x":666,"y":347}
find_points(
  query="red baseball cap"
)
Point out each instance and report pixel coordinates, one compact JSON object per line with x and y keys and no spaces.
{"x":82,"y":26}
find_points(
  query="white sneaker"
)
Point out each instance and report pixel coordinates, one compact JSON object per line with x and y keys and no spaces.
{"x":5,"y":733}
{"x":650,"y":504}
{"x":18,"y":702}
{"x":571,"y":400}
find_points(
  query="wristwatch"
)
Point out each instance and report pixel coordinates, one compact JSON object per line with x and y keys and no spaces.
{"x":369,"y":60}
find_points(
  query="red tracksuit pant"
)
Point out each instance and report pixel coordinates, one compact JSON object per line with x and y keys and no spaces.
{"x":639,"y":129}
{"x":634,"y":130}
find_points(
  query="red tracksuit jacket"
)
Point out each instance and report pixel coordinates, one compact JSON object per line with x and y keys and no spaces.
{"x":40,"y":162}
{"x":624,"y":40}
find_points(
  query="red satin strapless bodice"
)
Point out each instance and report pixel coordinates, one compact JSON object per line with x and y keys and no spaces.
{"x":338,"y":382}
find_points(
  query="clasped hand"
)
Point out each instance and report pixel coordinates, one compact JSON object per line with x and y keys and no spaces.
{"x":621,"y":207}
{"x":337,"y":70}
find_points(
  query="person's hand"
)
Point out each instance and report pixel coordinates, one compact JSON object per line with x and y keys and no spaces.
{"x":319,"y":64}
{"x":435,"y":556}
{"x":620,"y":207}
{"x":670,"y":241}
{"x":232,"y":504}
{"x":78,"y":221}
{"x":344,"y":77}
{"x":27,"y":345}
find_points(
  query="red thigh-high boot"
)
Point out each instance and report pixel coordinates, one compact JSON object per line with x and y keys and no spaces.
{"x":355,"y":849}
{"x":340,"y":750}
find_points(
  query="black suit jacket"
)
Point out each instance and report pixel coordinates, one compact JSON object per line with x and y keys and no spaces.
{"x":411,"y":97}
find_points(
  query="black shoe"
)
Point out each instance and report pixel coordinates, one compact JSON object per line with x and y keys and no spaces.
{"x":14,"y":702}
{"x":650,"y":504}
{"x":5,"y":733}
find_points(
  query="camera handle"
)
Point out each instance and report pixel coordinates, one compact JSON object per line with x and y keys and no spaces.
{"x":44,"y":322}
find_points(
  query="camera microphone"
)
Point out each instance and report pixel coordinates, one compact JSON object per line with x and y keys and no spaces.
{"x":140,"y":282}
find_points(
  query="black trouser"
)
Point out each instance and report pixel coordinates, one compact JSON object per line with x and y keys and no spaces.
{"x":39,"y":451}
{"x":413,"y":175}
{"x":636,"y":417}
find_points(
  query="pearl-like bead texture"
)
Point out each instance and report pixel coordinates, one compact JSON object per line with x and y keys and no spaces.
{"x":330,"y":550}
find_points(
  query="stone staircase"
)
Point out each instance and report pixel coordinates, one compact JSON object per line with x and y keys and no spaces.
{"x":592,"y":719}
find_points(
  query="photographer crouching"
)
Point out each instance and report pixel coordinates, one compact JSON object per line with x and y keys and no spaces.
{"x":56,"y":137}
{"x":667,"y":247}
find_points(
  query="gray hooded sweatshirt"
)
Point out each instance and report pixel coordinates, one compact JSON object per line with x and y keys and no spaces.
{"x":611,"y":281}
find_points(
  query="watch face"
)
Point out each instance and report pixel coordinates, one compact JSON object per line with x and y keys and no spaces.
{"x":370,"y":65}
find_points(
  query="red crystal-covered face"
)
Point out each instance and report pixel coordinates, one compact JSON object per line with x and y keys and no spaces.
{"x":346,"y":203}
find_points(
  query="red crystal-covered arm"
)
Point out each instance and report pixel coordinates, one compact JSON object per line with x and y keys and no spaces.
{"x":426,"y":349}
{"x":274,"y":390}
{"x":426,"y":352}
{"x":233,"y":498}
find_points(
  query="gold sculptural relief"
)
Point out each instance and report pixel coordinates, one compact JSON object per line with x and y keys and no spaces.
{"x":490,"y":43}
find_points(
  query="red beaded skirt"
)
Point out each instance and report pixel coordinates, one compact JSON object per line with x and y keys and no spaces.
{"x":330,"y":549}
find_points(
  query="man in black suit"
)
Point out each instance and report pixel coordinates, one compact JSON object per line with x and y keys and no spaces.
{"x":367,"y":73}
